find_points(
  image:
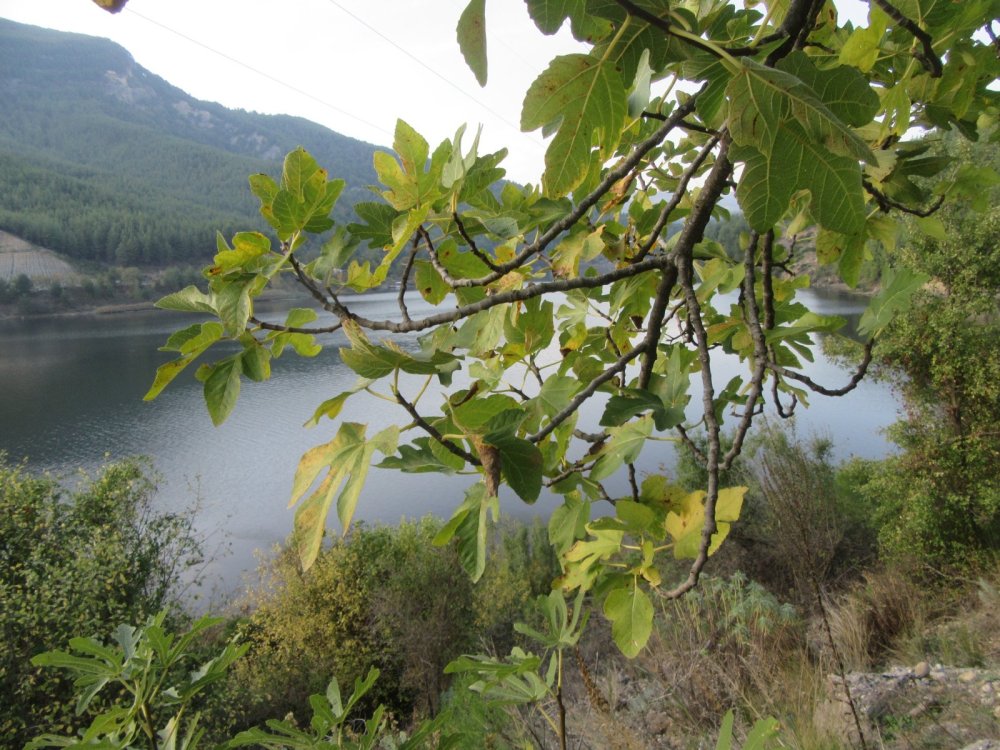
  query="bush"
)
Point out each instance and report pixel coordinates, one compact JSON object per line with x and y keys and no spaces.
{"x":804,"y":523}
{"x":383,"y":597}
{"x":728,"y":638}
{"x":77,"y":563}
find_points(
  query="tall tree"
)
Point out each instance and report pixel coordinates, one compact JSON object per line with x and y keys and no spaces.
{"x":672,"y":107}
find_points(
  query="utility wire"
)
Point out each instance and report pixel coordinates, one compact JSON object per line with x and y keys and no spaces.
{"x":427,"y":67}
{"x":268,"y":76}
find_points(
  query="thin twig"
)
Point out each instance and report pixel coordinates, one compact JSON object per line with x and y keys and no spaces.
{"x":433,"y":431}
{"x":816,"y":387}
{"x":620,"y":364}
{"x":405,"y":282}
{"x":632,"y":483}
{"x":590,"y":200}
{"x":293,"y":329}
{"x":886,"y":204}
{"x":675,"y":199}
{"x":929,"y":58}
{"x":472,"y":243}
{"x":759,"y":353}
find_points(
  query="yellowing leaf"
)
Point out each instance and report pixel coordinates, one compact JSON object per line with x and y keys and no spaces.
{"x":587,"y":98}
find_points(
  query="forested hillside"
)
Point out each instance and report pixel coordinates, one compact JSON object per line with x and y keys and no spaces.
{"x":102,"y":160}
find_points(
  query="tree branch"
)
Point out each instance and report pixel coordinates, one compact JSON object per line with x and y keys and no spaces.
{"x":928,"y":58}
{"x":433,"y":432}
{"x":654,"y":327}
{"x":886,"y":204}
{"x":759,"y":353}
{"x":587,"y":392}
{"x":293,"y":329}
{"x":616,"y":173}
{"x":472,"y":243}
{"x":401,"y":299}
{"x":514,"y":295}
{"x":816,"y":388}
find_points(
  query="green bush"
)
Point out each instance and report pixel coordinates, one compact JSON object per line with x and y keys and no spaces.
{"x":383,"y":597}
{"x":804,"y":522}
{"x":522,"y":567}
{"x":75,"y":563}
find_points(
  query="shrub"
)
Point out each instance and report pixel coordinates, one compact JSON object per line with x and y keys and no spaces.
{"x":382,"y":597}
{"x":718,"y":644}
{"x":522,"y":567}
{"x":78,"y":562}
{"x":804,"y":523}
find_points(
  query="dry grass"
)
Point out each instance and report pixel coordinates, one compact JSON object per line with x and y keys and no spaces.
{"x":871,"y":621}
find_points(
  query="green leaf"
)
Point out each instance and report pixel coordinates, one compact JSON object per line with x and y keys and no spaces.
{"x":843,"y":89}
{"x":420,"y":457}
{"x":298,"y":168}
{"x":549,"y":15}
{"x":568,"y":522}
{"x":726,"y":732}
{"x":256,"y":363}
{"x":898,"y":286}
{"x":933,"y":227}
{"x":264,"y":187}
{"x":862,"y":47}
{"x":622,"y":447}
{"x":765,"y":102}
{"x":638,"y":99}
{"x":620,"y":409}
{"x":232,"y":301}
{"x":472,"y":38}
{"x":520,"y":464}
{"x":222,"y":388}
{"x":584,"y":557}
{"x":587,"y":98}
{"x":189,"y":299}
{"x":468,"y":527}
{"x":760,"y":734}
{"x":348,"y":459}
{"x":797,"y":162}
{"x":191,"y":342}
{"x":431,"y":286}
{"x":631,"y":615}
{"x":686,"y":520}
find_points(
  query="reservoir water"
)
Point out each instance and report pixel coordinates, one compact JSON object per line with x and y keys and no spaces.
{"x":71,"y":397}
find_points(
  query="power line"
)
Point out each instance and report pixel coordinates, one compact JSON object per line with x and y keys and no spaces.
{"x":256,"y":71}
{"x":427,"y":67}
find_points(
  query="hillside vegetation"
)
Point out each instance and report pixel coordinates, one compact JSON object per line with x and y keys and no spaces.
{"x":102,"y":160}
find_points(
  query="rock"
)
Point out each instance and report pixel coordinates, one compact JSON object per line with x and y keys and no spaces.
{"x":946,"y":711}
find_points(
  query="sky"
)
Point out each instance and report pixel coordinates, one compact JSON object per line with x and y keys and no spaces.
{"x":354,"y":66}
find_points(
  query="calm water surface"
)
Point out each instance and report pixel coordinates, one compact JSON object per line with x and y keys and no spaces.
{"x":71,"y":396}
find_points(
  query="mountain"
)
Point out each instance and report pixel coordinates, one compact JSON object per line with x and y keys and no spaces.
{"x":102,"y":160}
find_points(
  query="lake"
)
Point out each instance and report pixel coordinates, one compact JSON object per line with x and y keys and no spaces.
{"x":71,"y":396}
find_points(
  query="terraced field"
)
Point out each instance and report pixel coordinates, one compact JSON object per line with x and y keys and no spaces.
{"x":40,"y":265}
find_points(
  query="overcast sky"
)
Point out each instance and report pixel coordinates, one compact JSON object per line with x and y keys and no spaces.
{"x":352,"y":65}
